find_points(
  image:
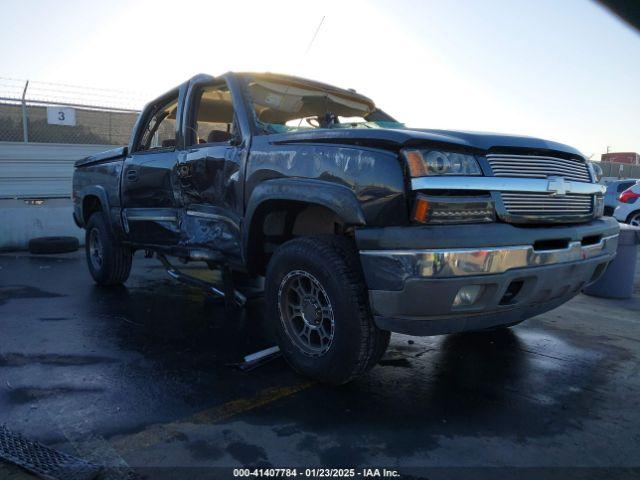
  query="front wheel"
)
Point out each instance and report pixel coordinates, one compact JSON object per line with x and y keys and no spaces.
{"x":109,"y":262}
{"x":318,"y":304}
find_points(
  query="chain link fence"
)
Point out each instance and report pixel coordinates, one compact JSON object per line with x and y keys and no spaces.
{"x":41,"y":112}
{"x":619,"y":170}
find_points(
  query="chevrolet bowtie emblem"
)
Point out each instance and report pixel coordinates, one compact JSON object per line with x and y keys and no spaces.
{"x":557,"y":186}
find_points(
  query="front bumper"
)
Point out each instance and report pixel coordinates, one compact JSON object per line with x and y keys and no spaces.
{"x":414,"y":273}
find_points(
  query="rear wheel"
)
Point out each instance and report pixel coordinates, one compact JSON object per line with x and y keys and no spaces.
{"x":318,"y":304}
{"x":634,"y":219}
{"x":109,"y":262}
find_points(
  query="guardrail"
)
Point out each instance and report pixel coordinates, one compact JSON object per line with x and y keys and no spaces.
{"x":40,"y":170}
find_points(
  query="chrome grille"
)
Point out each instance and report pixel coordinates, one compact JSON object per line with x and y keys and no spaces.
{"x":529,"y":166}
{"x":545,"y":205}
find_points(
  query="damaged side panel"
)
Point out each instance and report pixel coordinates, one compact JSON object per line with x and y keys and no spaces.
{"x":374,"y":176}
{"x":210,"y":189}
{"x":206,"y":227}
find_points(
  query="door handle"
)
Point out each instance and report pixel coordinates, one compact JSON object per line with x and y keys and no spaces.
{"x":132,"y":176}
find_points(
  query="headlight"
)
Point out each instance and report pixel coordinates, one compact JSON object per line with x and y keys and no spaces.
{"x":598,"y":208}
{"x":423,"y":163}
{"x":596,"y":171}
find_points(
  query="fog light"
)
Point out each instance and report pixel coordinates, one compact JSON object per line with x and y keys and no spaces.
{"x":467,"y":295}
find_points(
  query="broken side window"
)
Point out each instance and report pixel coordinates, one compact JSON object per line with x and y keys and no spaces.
{"x":214,"y":116}
{"x":160,"y":130}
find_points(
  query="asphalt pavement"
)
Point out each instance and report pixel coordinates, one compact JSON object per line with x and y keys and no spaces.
{"x":144,"y":378}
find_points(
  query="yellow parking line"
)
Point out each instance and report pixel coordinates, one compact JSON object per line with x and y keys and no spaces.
{"x":155,"y":434}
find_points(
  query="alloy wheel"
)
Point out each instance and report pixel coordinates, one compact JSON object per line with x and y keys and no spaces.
{"x":95,"y":249}
{"x":306,"y":313}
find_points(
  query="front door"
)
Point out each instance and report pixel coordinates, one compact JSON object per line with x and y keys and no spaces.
{"x":209,"y":172}
{"x":150,"y":203}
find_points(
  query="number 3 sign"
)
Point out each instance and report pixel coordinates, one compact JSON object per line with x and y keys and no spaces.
{"x":61,"y":116}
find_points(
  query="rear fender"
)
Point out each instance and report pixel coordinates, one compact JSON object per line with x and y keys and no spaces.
{"x":112,"y":213}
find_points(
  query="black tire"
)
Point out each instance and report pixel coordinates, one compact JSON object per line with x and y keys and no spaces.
{"x":45,"y":245}
{"x":329,"y":266}
{"x":114,"y":265}
{"x":634,"y":218}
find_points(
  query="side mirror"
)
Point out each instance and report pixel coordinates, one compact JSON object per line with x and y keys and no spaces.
{"x":235,"y":141}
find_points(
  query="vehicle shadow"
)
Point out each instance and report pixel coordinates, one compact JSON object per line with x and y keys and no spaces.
{"x":469,"y":384}
{"x":478,"y":361}
{"x":164,"y":318}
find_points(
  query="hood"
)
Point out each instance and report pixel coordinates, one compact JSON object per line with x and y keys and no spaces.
{"x":479,"y":142}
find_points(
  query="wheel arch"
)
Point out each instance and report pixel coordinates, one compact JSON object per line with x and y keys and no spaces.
{"x":632,"y":214}
{"x":297,"y":200}
{"x":94,"y":198}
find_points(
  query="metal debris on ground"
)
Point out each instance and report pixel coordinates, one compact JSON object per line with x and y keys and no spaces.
{"x":257,"y":359}
{"x":45,"y":462}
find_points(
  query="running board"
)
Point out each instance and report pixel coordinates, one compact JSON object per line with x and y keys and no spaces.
{"x":228,"y":291}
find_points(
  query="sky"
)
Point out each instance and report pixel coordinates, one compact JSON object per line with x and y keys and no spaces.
{"x":564,"y":70}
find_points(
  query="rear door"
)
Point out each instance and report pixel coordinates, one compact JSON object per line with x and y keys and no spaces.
{"x":150,"y":206}
{"x":210,"y":169}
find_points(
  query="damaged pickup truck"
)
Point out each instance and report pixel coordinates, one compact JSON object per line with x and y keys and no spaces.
{"x":359,"y":225}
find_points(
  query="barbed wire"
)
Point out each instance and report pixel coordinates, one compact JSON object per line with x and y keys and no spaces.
{"x":101,"y":115}
{"x":12,"y":89}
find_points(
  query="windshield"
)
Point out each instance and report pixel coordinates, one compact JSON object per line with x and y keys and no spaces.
{"x":282,"y":104}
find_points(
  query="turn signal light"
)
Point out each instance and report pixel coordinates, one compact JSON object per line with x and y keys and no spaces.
{"x":421,"y":211}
